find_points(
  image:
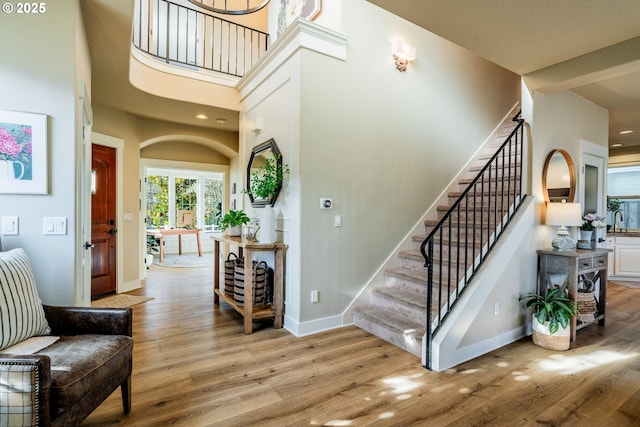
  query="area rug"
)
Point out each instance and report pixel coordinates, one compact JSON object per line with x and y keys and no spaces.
{"x":628,"y":284}
{"x":119,"y":301}
{"x":185,"y":260}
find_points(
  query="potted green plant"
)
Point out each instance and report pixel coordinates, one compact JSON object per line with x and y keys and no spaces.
{"x":233,"y":221}
{"x":267,"y":179}
{"x":552,"y":312}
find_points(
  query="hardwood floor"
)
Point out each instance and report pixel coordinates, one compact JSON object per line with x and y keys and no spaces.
{"x":193,"y":366}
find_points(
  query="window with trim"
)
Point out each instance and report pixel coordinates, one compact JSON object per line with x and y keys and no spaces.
{"x":623,"y":183}
{"x":180,"y":198}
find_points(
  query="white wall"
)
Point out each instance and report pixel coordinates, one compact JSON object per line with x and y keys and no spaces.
{"x":45,"y":59}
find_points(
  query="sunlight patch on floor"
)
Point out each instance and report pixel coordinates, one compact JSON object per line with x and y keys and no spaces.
{"x":332,"y":423}
{"x":402,"y":385}
{"x":568,"y":365}
{"x":386,"y":415}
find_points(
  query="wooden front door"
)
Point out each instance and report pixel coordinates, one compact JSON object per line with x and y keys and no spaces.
{"x":103,"y":220}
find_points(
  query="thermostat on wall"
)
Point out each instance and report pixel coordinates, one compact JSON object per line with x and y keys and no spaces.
{"x":326,"y":203}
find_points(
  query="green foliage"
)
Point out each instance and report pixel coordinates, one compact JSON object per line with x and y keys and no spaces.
{"x":157,"y":201}
{"x":267,"y":178}
{"x":614,"y":205}
{"x":554,"y":307}
{"x":233,"y":218}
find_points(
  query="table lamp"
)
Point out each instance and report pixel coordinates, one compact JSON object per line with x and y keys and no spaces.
{"x":564,"y":215}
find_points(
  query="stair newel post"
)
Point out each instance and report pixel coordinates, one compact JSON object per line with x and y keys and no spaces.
{"x":427,"y":253}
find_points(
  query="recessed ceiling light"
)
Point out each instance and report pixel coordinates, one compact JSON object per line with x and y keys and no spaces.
{"x":201,"y":117}
{"x":616,"y":145}
{"x":624,"y":132}
{"x":221,"y":120}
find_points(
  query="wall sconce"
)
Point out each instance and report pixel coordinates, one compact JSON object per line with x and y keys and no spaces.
{"x":563,"y":214}
{"x":402,"y":55}
{"x":258,"y":125}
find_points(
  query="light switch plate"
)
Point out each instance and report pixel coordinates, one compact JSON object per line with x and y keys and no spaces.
{"x":10,"y":225}
{"x":54,"y":225}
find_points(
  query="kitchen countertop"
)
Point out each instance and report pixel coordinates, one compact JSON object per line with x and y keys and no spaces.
{"x":624,"y":234}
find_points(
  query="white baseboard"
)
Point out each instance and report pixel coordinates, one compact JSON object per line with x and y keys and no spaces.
{"x":315,"y":326}
{"x":129,"y":286}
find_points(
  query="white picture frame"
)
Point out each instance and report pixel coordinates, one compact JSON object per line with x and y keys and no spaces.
{"x":24,"y":155}
{"x":289,"y":10}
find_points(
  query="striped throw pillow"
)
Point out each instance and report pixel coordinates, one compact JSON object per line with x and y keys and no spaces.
{"x":21,"y":312}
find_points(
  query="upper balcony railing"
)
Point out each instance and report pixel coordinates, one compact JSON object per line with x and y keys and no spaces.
{"x":182,"y":36}
{"x":231,"y":7}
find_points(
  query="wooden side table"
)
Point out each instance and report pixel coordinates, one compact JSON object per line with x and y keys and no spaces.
{"x":161,"y":233}
{"x":246,"y":248}
{"x":573,"y":264}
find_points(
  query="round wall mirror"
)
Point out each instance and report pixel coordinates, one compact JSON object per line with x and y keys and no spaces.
{"x":558,"y":177}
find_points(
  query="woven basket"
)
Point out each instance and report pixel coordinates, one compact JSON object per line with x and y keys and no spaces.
{"x":587,"y":306}
{"x":552,"y":342}
{"x":260,"y":286}
{"x":559,"y":341}
{"x":229,"y":272}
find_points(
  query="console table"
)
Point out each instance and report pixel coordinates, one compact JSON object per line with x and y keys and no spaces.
{"x":246,"y":249}
{"x":592,"y":263}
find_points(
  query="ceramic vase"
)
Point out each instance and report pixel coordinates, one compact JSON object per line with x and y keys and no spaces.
{"x":586,"y":236}
{"x":8,"y":171}
{"x":234,"y":231}
{"x":267,"y":225}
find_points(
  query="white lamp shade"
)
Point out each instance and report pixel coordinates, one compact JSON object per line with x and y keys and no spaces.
{"x":567,"y":214}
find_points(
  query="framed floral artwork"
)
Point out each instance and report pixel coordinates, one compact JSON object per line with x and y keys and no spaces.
{"x":23,"y":153}
{"x":289,"y":10}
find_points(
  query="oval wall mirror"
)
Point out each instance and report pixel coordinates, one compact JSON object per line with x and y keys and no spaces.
{"x":558,"y":177}
{"x":261,"y":155}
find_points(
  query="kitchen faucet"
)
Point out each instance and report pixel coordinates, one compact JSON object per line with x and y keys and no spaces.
{"x":614,"y":219}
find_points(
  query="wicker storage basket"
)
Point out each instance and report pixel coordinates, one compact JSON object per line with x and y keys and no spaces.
{"x":559,"y":341}
{"x":229,"y":273}
{"x":587,"y":306}
{"x":260,"y":286}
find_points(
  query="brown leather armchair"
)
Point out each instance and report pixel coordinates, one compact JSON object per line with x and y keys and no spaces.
{"x":63,"y":383}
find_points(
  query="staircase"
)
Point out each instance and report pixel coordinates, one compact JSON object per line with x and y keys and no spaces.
{"x":460,"y":238}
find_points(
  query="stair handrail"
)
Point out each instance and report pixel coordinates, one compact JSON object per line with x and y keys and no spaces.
{"x":427,"y":246}
{"x":217,"y":44}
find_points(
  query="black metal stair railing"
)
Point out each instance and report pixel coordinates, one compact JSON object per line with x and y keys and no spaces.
{"x":234,"y":7}
{"x":462,"y":239}
{"x":194,"y":39}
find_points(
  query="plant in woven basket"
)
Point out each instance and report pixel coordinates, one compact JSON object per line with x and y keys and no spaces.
{"x":554,"y":307}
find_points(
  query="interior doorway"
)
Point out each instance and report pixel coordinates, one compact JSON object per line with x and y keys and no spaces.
{"x":177,"y":194}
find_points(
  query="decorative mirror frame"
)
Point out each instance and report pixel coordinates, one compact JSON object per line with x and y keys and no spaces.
{"x":572,"y":175}
{"x":267,"y":145}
